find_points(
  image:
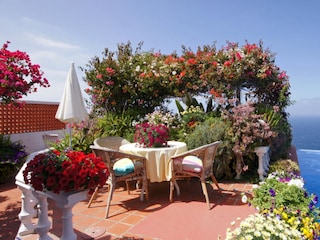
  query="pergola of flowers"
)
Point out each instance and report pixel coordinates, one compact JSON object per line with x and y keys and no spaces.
{"x":142,"y":80}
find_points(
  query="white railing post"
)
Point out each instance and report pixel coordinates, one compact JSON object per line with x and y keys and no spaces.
{"x":43,"y":225}
{"x":27,"y":212}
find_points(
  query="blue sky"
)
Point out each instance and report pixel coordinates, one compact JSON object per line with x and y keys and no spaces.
{"x":54,"y":33}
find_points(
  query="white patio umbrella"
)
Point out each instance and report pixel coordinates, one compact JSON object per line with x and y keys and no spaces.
{"x":71,"y":108}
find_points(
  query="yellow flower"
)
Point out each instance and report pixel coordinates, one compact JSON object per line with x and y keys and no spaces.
{"x":284,"y":216}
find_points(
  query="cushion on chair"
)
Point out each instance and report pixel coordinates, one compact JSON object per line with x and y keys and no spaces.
{"x":123,"y":167}
{"x":192,"y":164}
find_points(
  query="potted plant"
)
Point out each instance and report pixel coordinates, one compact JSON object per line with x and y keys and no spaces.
{"x":151,"y":135}
{"x":69,"y":171}
{"x":12,"y":157}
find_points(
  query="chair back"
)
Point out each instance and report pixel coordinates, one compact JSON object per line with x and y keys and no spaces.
{"x":111,"y":142}
{"x":209,"y":154}
{"x":104,"y":154}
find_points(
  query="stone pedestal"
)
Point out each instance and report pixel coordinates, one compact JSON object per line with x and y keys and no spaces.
{"x":66,"y":201}
{"x":264,"y":159}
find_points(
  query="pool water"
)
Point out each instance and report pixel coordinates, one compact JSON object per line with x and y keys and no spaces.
{"x":309,"y":161}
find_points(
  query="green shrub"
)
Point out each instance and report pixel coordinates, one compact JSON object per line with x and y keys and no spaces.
{"x":112,"y":124}
{"x":283,"y":165}
{"x":83,"y":136}
{"x":211,"y":130}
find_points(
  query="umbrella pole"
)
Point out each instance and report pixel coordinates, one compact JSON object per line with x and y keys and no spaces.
{"x":70,"y":137}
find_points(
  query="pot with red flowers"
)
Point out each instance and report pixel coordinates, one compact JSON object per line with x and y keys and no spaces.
{"x":69,"y":171}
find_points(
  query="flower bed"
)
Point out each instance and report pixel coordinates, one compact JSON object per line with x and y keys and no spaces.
{"x":281,"y":199}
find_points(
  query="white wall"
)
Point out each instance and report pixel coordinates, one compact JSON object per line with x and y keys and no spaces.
{"x":34,"y":140}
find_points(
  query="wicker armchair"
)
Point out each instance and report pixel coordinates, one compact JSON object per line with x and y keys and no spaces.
{"x":198,"y":163}
{"x":112,"y":142}
{"x":116,"y":162}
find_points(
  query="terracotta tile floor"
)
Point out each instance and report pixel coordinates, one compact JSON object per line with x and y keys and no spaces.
{"x":129,"y":218}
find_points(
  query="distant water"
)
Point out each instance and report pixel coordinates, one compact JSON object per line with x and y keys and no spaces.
{"x":306,"y":138}
{"x":306,"y":132}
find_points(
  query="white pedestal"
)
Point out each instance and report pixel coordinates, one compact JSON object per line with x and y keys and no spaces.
{"x":264,"y":159}
{"x":66,"y":201}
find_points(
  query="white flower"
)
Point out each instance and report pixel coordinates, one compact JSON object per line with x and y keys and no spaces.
{"x":255,"y":186}
{"x":296,"y":182}
{"x":174,"y":73}
{"x":244,"y":199}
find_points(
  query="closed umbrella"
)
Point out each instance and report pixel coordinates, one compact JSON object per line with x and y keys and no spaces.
{"x":71,"y":108}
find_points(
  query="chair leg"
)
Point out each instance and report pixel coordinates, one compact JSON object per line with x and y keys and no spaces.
{"x":146,"y":190}
{"x":112,"y":185}
{"x":216,"y":182}
{"x":92,"y":197}
{"x":127,"y":186}
{"x":205,"y":192}
{"x":172,"y":184}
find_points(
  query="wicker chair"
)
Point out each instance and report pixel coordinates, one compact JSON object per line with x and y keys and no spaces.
{"x":198,"y":163}
{"x":137,"y":172}
{"x":112,"y":142}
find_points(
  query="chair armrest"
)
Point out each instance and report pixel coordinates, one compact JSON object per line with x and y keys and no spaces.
{"x":195,"y":152}
{"x":118,"y":154}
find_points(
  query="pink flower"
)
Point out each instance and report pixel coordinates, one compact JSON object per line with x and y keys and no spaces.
{"x":110,"y":71}
{"x":110,"y":82}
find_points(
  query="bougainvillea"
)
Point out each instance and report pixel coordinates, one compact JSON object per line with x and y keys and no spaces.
{"x":18,"y":76}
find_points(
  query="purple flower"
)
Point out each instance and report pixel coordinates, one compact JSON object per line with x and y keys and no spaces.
{"x":315,"y":199}
{"x":272,"y":192}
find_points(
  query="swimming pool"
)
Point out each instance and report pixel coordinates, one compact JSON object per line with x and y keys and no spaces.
{"x":309,"y":161}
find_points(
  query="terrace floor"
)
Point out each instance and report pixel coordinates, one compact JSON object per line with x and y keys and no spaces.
{"x":129,"y":218}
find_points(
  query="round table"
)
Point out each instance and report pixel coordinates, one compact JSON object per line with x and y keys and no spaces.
{"x":158,"y":159}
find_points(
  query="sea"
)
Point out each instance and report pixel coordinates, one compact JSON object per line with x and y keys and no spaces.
{"x":306,"y":139}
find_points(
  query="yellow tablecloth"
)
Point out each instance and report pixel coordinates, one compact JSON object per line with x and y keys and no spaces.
{"x":158,"y":167}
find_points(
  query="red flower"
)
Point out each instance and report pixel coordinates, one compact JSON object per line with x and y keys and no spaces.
{"x":71,"y":171}
{"x":227,"y":63}
{"x":192,"y":61}
{"x":64,"y":181}
{"x":51,"y":181}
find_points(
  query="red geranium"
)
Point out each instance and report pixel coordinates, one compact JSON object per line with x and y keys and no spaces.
{"x":70,"y":171}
